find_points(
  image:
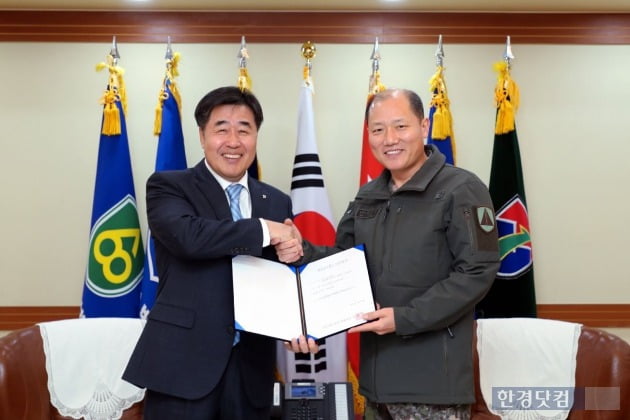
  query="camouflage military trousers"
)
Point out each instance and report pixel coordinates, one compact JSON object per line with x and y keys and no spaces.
{"x":410,"y":411}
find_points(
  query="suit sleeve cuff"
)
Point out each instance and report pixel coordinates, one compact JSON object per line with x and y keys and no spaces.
{"x":265,"y":230}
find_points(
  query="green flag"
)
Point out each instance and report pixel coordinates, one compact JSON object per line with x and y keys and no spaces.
{"x":512,"y":293}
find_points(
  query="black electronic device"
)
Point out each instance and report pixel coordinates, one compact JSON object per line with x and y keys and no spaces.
{"x":308,"y":400}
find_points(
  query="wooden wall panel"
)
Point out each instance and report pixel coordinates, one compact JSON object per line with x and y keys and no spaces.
{"x":16,"y":317}
{"x":592,"y":315}
{"x":319,"y":27}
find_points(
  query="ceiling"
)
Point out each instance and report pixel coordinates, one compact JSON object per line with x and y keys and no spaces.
{"x":580,"y":6}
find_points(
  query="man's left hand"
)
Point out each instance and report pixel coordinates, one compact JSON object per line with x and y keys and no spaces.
{"x":383,"y":322}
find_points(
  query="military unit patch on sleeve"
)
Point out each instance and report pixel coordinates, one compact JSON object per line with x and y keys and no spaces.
{"x":485,"y":225}
{"x":485,"y":218}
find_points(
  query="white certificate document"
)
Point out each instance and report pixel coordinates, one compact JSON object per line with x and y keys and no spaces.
{"x":318,"y":299}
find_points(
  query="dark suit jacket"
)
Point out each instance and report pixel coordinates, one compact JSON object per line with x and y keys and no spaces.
{"x":188,"y":337}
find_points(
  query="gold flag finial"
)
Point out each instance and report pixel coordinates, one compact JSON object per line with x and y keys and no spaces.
{"x":308,"y":52}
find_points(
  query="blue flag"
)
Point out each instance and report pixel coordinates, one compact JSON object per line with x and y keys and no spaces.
{"x":440,"y":120}
{"x":116,"y":254}
{"x":170,"y":155}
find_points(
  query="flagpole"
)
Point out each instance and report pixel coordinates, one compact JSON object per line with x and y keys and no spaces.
{"x":375,"y":57}
{"x":507,"y":55}
{"x":440,"y":118}
{"x":169,"y":50}
{"x":439,"y":53}
{"x":375,"y":78}
{"x":114,"y":51}
{"x":242,"y":54}
{"x":244,"y":81}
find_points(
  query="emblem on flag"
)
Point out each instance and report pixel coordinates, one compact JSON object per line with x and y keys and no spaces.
{"x":116,"y":259}
{"x":515,"y":245}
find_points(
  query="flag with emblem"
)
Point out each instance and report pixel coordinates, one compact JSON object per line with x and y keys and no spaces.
{"x":313,"y":217}
{"x":170,"y":155}
{"x":116,"y":253}
{"x":512,"y":293}
{"x":440,"y":120}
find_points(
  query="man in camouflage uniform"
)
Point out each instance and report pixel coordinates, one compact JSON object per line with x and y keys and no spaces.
{"x":432,"y":252}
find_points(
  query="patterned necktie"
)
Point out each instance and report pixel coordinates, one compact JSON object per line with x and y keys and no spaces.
{"x":234,"y":192}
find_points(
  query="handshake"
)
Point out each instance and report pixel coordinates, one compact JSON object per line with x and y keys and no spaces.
{"x":287,"y":240}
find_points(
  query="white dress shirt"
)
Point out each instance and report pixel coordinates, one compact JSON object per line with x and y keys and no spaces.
{"x":245,"y":200}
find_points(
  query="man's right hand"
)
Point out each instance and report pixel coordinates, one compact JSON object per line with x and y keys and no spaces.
{"x":287,"y":240}
{"x":302,"y":345}
{"x":282,"y":232}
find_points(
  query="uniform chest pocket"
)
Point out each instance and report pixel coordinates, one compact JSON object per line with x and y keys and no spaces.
{"x":366,"y":221}
{"x":367,"y":212}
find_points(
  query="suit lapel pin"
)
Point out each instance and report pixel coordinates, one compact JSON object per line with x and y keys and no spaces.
{"x":264,"y":196}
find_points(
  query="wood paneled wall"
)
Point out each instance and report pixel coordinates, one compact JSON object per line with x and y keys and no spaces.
{"x":319,"y":27}
{"x":592,"y":315}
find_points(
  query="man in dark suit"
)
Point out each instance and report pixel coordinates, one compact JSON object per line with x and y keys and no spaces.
{"x":189,"y":357}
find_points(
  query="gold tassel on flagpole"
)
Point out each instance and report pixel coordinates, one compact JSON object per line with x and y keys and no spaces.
{"x":507,"y":98}
{"x":244,"y":81}
{"x":111,"y":116}
{"x":171,"y":72}
{"x":122,"y":90}
{"x":442,"y":120}
{"x":376,"y":85}
{"x":115,"y":92}
{"x":359,"y":400}
{"x":157,"y":122}
{"x":306,"y":75}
